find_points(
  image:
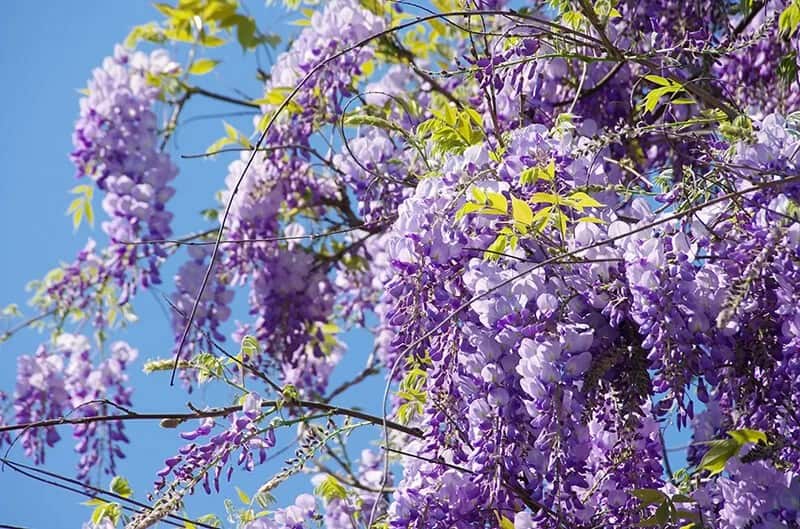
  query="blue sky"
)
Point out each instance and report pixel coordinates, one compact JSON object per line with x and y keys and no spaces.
{"x":47,"y":53}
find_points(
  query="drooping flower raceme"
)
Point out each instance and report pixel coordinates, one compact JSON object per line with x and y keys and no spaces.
{"x":116,"y":145}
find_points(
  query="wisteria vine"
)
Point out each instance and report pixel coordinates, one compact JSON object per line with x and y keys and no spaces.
{"x":569,"y":228}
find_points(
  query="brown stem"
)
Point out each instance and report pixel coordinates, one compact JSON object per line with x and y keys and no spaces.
{"x":175,"y":419}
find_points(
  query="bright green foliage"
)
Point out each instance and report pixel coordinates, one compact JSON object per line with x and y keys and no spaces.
{"x":452,"y":130}
{"x":208,"y":367}
{"x":202,"y":66}
{"x":121,"y":487}
{"x":111,"y":510}
{"x":723,"y":450}
{"x":81,"y":207}
{"x":232,"y":137}
{"x":243,"y":497}
{"x":485,"y":203}
{"x":202,"y":22}
{"x":532,"y":174}
{"x":740,"y":129}
{"x":666,"y":87}
{"x":413,"y":391}
{"x":103,"y":294}
{"x":249,"y":348}
{"x":330,"y":489}
{"x":556,"y":210}
{"x":789,"y":19}
{"x":506,"y":523}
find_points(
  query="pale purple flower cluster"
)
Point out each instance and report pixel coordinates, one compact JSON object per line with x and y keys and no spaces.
{"x":291,"y":299}
{"x":49,"y":385}
{"x":116,"y":145}
{"x":753,"y":495}
{"x":213,"y":310}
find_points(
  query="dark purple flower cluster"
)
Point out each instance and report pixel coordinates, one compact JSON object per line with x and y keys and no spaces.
{"x":205,"y":462}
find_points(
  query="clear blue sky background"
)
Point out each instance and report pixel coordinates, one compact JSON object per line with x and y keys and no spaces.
{"x":47,"y":52}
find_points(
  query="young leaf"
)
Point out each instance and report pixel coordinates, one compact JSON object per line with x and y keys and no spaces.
{"x":657,"y":79}
{"x":649,"y":496}
{"x":243,"y":497}
{"x":120,"y":486}
{"x":584,"y":200}
{"x":467,"y":208}
{"x":497,"y":201}
{"x":202,"y":66}
{"x":330,"y":489}
{"x":521,"y":211}
{"x":745,"y":436}
{"x":717,"y":457}
{"x":479,"y":195}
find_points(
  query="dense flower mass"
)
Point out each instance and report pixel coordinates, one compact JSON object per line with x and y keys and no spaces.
{"x":570,"y":230}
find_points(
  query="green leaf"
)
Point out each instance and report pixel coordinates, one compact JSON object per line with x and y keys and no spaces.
{"x":246,"y":33}
{"x":211,"y":41}
{"x":496,"y":248}
{"x":654,"y":96}
{"x":479,"y":195}
{"x":745,"y":436}
{"x":657,"y":79}
{"x":210,"y":519}
{"x":230,"y":130}
{"x":330,"y":489}
{"x":497,"y":201}
{"x":250,"y":346}
{"x":584,"y":200}
{"x":208,"y":367}
{"x":506,"y":523}
{"x":121,"y":487}
{"x":547,"y":198}
{"x":718,"y":455}
{"x":275,"y":97}
{"x":650,"y":496}
{"x":111,"y":511}
{"x":789,"y":19}
{"x":467,"y":208}
{"x":532,"y":174}
{"x":593,"y":220}
{"x":665,"y":87}
{"x":81,"y":207}
{"x":355,"y":120}
{"x":11,"y":310}
{"x":202,"y":66}
{"x":243,"y":497}
{"x":521,"y":212}
{"x":219,"y":145}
